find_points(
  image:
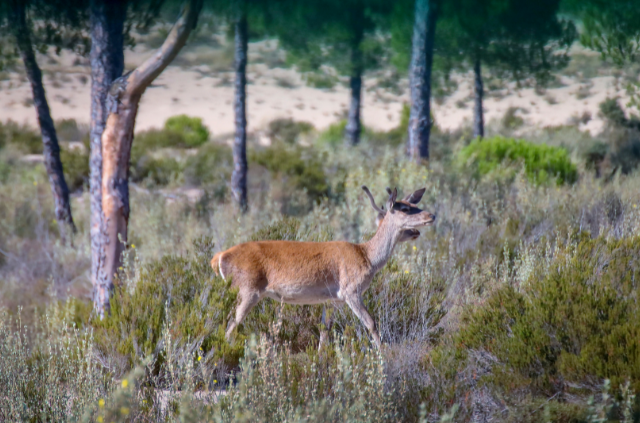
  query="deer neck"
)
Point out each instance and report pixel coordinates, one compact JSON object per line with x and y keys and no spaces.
{"x":380,"y":247}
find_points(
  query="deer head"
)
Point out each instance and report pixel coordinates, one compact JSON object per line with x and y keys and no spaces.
{"x":410,"y":200}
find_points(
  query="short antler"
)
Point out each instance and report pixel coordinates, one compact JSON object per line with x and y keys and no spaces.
{"x":373,"y":202}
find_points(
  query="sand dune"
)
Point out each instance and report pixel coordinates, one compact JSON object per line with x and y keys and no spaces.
{"x":277,"y":92}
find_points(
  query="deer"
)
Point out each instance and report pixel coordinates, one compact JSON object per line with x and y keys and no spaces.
{"x":296,"y":272}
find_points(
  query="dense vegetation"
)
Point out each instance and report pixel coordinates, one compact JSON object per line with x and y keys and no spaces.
{"x":518,"y":306}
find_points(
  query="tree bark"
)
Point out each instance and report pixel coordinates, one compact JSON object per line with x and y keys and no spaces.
{"x":121,"y":108}
{"x":51,"y":147}
{"x":239,"y":176}
{"x":478,"y":113}
{"x":107,"y":64}
{"x":426,"y":15}
{"x":354,"y":125}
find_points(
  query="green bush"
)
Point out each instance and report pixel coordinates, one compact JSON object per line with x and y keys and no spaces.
{"x":22,"y":137}
{"x":576,"y":322}
{"x":193,"y":132}
{"x":75,"y":165}
{"x":287,"y":130}
{"x":333,"y":135}
{"x":159,"y":171}
{"x":302,"y":171}
{"x":181,"y":290}
{"x":211,"y":165}
{"x":542,"y":163}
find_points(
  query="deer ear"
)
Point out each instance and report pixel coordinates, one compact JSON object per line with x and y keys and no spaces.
{"x":415,"y":197}
{"x":392,"y":199}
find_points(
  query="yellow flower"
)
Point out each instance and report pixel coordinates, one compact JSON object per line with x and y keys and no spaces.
{"x":100,"y":419}
{"x":215,"y":381}
{"x":133,"y":245}
{"x":199,"y":358}
{"x":101,"y":403}
{"x":406,"y":271}
{"x":124,"y":411}
{"x":415,"y":248}
{"x":125,"y":383}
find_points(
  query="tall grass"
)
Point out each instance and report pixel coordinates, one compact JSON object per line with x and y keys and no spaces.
{"x":514,"y":307}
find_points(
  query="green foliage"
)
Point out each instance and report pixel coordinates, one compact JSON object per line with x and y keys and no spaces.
{"x":623,"y":135}
{"x":21,"y":137}
{"x":157,"y":170}
{"x":296,"y":166}
{"x":542,"y":163}
{"x":577,"y":321}
{"x":191,"y":129}
{"x":180,"y":290}
{"x":287,"y":130}
{"x":211,"y":165}
{"x":48,"y":375}
{"x":75,"y":164}
{"x":333,"y":135}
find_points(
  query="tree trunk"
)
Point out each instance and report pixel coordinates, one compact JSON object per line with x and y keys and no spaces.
{"x":107,"y":64}
{"x":122,"y":107}
{"x":239,"y":176}
{"x":478,"y":113}
{"x":51,"y":148}
{"x":354,"y":125}
{"x":426,"y":15}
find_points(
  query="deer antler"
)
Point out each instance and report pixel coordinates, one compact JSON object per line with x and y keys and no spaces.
{"x":373,"y":202}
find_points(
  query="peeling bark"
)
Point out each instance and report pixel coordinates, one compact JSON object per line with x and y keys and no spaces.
{"x":121,"y":108}
{"x":51,"y":147}
{"x":107,"y":64}
{"x":239,"y":176}
{"x":478,"y":113}
{"x":426,"y":15}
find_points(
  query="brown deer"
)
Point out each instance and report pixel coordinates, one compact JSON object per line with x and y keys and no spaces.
{"x":318,"y":272}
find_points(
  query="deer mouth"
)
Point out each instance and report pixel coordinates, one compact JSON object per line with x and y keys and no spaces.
{"x":413,"y":233}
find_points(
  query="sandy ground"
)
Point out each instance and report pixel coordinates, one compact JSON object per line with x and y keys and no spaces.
{"x":279,"y":92}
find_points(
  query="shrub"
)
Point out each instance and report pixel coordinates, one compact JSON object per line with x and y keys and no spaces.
{"x":287,"y":130}
{"x":303,"y":171}
{"x":191,"y":129}
{"x":333,"y":135}
{"x":181,"y":290}
{"x":542,"y":163}
{"x":69,"y":130}
{"x":575,"y":322}
{"x":22,"y":137}
{"x":50,"y":375}
{"x":158,"y":171}
{"x":75,"y":165}
{"x":211,"y":165}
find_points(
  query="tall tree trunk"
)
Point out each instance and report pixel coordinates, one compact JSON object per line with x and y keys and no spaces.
{"x":107,"y":64}
{"x":354,"y":125}
{"x":478,"y":113}
{"x":51,"y":148}
{"x":239,"y":176}
{"x":122,"y":107}
{"x":426,"y":15}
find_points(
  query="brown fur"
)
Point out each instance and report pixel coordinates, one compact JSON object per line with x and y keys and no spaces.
{"x":317,"y":272}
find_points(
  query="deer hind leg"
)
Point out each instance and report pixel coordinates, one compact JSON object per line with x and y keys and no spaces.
{"x":357,"y":306}
{"x":247,"y":301}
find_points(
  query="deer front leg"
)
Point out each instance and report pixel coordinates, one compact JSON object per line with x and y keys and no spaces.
{"x":247,"y":301}
{"x":357,"y":306}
